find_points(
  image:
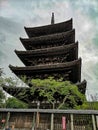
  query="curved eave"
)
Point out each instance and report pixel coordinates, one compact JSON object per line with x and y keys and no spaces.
{"x":46,"y":67}
{"x":31,"y":71}
{"x":61,"y":38}
{"x":49,"y":29}
{"x":54,"y":51}
{"x":21,"y":93}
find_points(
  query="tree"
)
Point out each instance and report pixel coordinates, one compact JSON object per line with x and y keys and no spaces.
{"x":2,"y":98}
{"x":10,"y":102}
{"x":2,"y":95}
{"x":15,"y":103}
{"x":1,"y":72}
{"x":64,"y":91}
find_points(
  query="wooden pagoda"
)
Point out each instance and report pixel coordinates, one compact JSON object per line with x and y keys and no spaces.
{"x":51,"y":50}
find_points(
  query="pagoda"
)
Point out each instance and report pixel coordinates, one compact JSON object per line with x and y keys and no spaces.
{"x":50,"y":50}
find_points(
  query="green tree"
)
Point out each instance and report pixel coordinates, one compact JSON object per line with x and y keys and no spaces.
{"x":15,"y":103}
{"x":1,"y":72}
{"x":2,"y":99}
{"x":2,"y":95}
{"x":53,"y":90}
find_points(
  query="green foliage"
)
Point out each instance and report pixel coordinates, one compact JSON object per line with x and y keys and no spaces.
{"x":9,"y":81}
{"x":49,"y":87}
{"x":1,"y":72}
{"x":2,"y":95}
{"x":88,"y":106}
{"x":11,"y":102}
{"x":15,"y":103}
{"x":2,"y":98}
{"x":93,"y":105}
{"x":22,"y":95}
{"x":5,"y":81}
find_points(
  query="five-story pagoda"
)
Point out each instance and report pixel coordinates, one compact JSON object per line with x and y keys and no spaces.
{"x":51,"y":50}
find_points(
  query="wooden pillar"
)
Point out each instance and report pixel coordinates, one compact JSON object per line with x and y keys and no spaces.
{"x":71,"y":116}
{"x":97,"y":121}
{"x":93,"y":121}
{"x":37,"y":115}
{"x":33,"y":122}
{"x":7,"y":119}
{"x":52,"y":121}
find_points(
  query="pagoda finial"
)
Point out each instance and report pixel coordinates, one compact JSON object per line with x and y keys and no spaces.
{"x":52,"y":18}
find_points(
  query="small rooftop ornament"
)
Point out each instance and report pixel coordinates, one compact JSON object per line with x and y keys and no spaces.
{"x":52,"y":18}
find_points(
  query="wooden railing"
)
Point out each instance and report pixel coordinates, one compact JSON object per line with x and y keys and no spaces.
{"x":49,"y":119}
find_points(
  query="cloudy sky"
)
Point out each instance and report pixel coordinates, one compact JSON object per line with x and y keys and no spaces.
{"x":15,"y":14}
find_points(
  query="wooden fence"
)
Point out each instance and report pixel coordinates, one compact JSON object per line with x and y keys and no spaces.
{"x":48,"y":119}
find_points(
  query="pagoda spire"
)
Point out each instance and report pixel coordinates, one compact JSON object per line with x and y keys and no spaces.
{"x":52,"y":18}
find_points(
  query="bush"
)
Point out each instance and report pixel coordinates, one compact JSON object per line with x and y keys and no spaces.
{"x":15,"y":103}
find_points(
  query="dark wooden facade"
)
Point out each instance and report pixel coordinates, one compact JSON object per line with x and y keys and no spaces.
{"x":50,"y":55}
{"x":51,"y":51}
{"x":47,"y":41}
{"x":60,"y":70}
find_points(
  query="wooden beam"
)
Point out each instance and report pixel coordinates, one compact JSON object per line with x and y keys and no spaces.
{"x":93,"y":121}
{"x":52,"y":121}
{"x":71,"y":116}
